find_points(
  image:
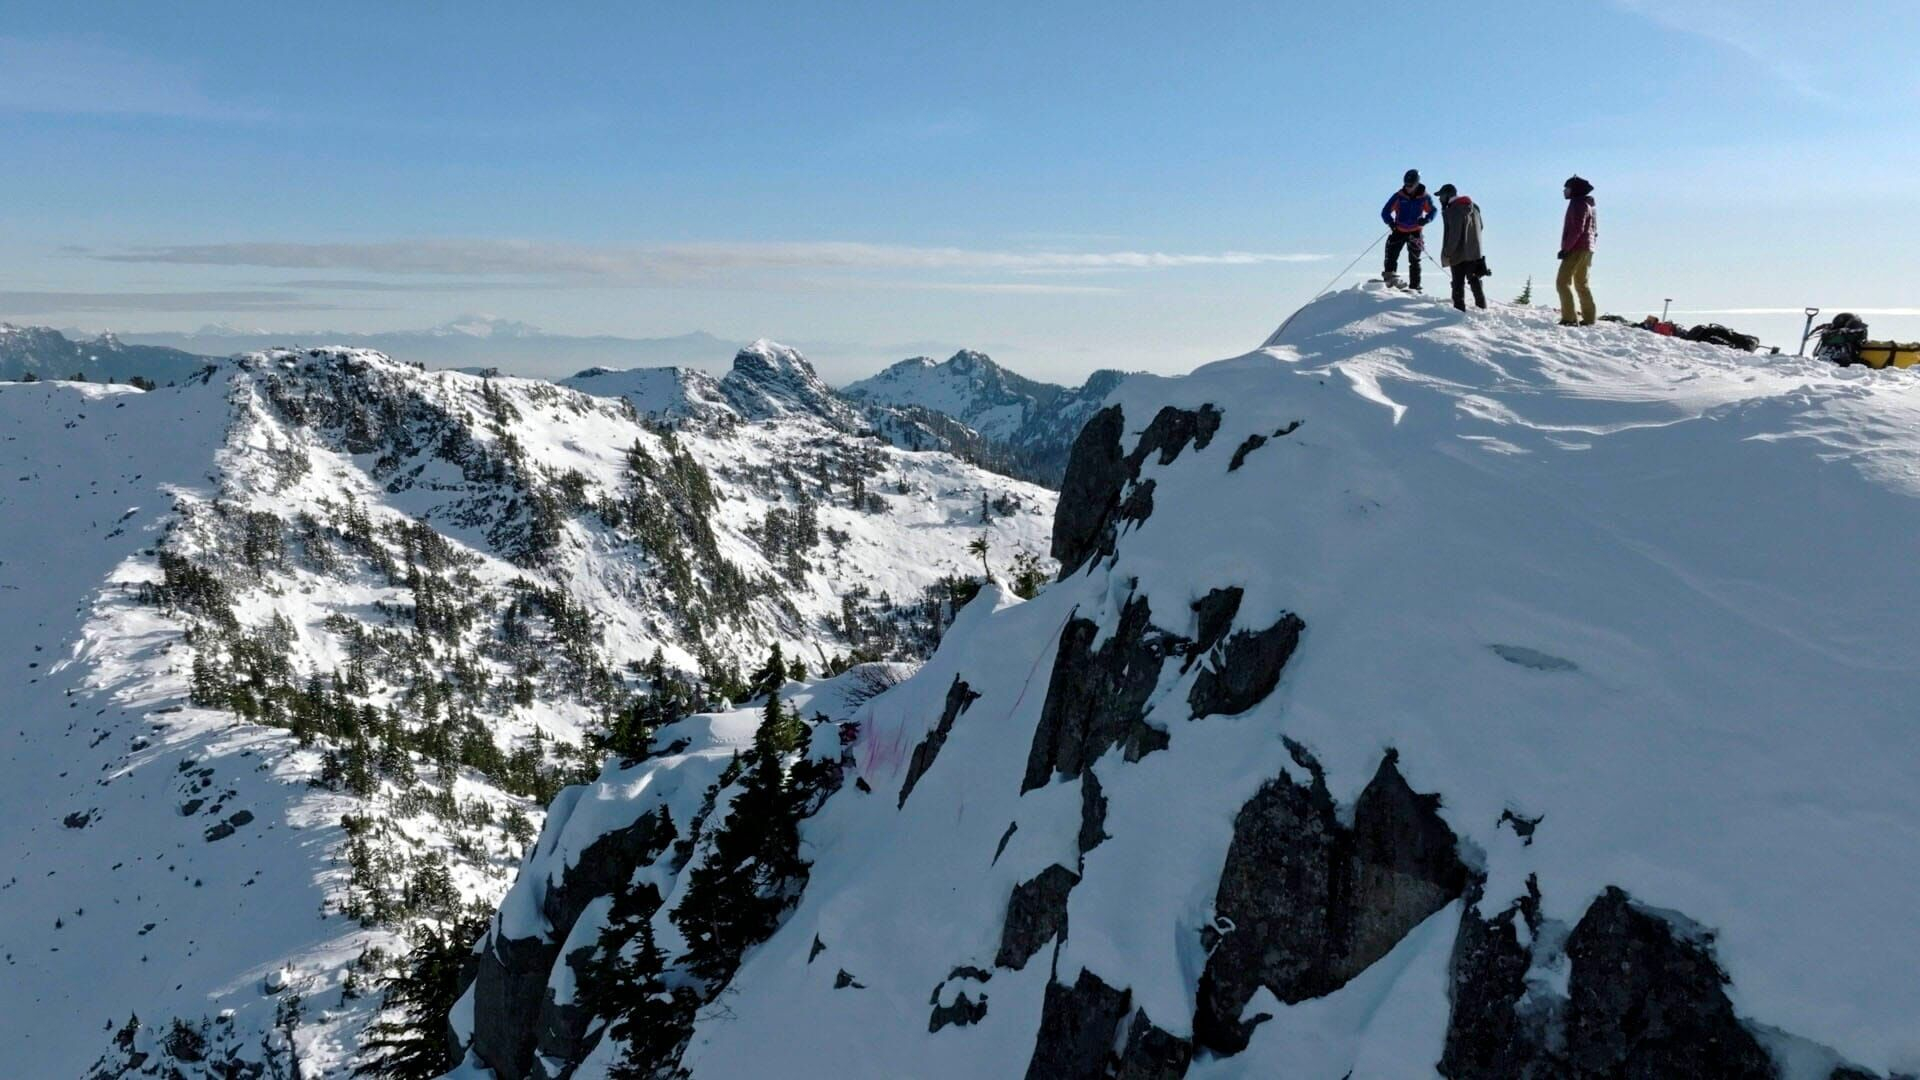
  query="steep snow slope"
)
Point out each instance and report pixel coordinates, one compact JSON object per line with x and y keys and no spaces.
{"x":1426,"y":693}
{"x":1036,"y":420}
{"x":478,"y":565}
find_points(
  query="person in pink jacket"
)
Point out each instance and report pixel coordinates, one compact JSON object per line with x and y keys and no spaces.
{"x":1576,"y":253}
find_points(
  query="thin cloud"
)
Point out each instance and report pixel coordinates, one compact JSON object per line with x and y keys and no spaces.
{"x":64,"y":76}
{"x":362,"y":285}
{"x":37,"y":303}
{"x":665,"y":264}
{"x":1744,"y":28}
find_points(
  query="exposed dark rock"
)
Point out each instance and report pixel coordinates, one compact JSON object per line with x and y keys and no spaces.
{"x":1093,"y":498}
{"x":1093,"y":812}
{"x":1001,"y":848}
{"x":1406,"y":864}
{"x":1487,"y":1037}
{"x":844,"y":981}
{"x":960,"y":697}
{"x":1096,"y":699}
{"x":1152,"y":1054}
{"x":241,"y":817}
{"x":1305,"y":903}
{"x":1036,"y":913}
{"x":219,"y":830}
{"x":513,"y":1013}
{"x":1213,"y":615}
{"x":1137,"y":506}
{"x":1253,"y":442}
{"x":78,"y":819}
{"x":1283,"y":878}
{"x":1247,"y":670}
{"x":1170,"y":432}
{"x":962,"y":1010}
{"x":191,"y":807}
{"x":1096,"y":473}
{"x":818,"y":947}
{"x":1078,"y":1025}
{"x":1644,"y":1002}
{"x":1523,"y":825}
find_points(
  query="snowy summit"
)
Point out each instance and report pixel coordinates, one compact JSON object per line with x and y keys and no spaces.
{"x":1423,"y":694}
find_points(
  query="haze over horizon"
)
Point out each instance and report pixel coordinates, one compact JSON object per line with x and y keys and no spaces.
{"x":1068,"y":188}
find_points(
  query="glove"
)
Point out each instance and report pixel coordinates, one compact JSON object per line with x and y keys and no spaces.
{"x":1446,"y":261}
{"x":1562,"y":255}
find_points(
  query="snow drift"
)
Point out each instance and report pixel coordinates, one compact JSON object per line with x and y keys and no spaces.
{"x":1423,"y":693}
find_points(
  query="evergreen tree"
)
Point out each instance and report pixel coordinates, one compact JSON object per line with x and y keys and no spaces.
{"x":753,"y":872}
{"x":770,"y":676}
{"x":414,"y":1047}
{"x":978,"y":546}
{"x":630,"y":988}
{"x":1525,"y":299}
{"x":1028,"y":577}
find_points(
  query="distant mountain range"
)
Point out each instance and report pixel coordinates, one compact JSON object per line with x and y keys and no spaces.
{"x":36,"y":352}
{"x":966,"y":405}
{"x":1036,"y":422}
{"x":469,"y":341}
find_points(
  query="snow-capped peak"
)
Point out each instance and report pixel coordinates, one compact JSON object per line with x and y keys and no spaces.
{"x":486,"y":326}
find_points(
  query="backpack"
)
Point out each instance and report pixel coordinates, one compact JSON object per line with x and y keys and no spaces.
{"x":1714,"y":333}
{"x":1840,"y":339}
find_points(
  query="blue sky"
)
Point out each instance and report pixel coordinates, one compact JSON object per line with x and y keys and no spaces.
{"x":1075,"y":185}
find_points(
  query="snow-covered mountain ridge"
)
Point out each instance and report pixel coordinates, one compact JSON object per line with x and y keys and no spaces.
{"x":1424,"y":694}
{"x":306,"y":645}
{"x":1036,"y":420}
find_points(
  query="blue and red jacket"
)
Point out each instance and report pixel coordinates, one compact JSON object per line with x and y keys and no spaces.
{"x":1408,"y":213}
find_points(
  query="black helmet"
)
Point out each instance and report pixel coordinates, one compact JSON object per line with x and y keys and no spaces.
{"x":1412,"y":177}
{"x":1446,"y":192}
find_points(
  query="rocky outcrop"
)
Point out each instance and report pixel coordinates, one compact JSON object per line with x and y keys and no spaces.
{"x":1644,"y":1001}
{"x":1152,"y":1054}
{"x":1096,"y":473}
{"x":1491,"y":1035}
{"x":1246,"y":670}
{"x":1093,"y":813}
{"x":965,"y":1008}
{"x":1079,"y":1025}
{"x":1036,"y":914}
{"x":960,"y":697}
{"x":514,"y":1011}
{"x":1094,"y":497}
{"x":1096,"y":698}
{"x":1306,"y":903}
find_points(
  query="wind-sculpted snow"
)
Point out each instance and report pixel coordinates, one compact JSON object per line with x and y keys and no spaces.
{"x":1686,"y":845}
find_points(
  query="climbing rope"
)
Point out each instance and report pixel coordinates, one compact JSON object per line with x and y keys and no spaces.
{"x":1330,"y":284}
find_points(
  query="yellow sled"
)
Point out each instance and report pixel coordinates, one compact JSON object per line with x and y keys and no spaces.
{"x":1880,"y":354}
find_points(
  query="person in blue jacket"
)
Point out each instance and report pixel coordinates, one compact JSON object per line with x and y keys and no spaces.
{"x":1406,"y":213}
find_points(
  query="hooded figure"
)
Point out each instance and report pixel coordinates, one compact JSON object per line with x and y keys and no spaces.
{"x":1577,"y":235}
{"x":1406,"y":213}
{"x":1460,"y":246}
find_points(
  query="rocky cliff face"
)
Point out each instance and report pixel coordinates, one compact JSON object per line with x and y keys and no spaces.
{"x":1369,"y":731}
